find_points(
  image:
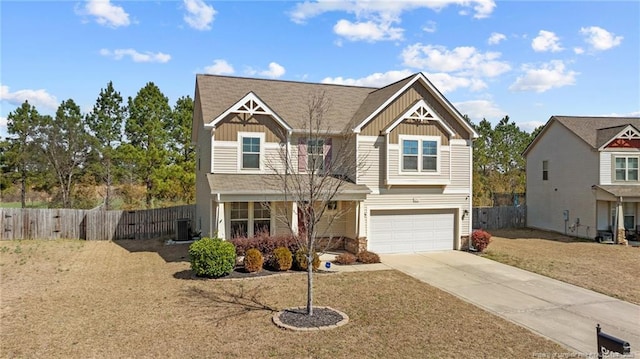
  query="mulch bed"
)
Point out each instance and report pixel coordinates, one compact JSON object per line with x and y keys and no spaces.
{"x":298,"y":318}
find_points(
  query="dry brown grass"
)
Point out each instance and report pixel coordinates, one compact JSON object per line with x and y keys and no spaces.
{"x":609,"y":269}
{"x":138,"y":299}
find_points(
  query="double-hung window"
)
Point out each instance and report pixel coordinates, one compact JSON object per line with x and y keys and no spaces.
{"x":249,"y":219}
{"x":261,"y":219}
{"x":315,"y":154}
{"x":251,"y":152}
{"x":545,"y":170}
{"x":419,"y":155}
{"x":626,"y":168}
{"x":239,"y":219}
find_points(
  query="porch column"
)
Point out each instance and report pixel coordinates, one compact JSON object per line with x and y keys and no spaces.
{"x":220,"y":220}
{"x":620,"y":235}
{"x":361,"y":228}
{"x":294,"y":217}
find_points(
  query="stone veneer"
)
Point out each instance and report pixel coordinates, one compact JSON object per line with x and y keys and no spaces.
{"x":621,"y":238}
{"x":355,"y":246}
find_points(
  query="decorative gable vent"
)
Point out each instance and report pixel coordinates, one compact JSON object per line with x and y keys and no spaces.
{"x":252,"y":107}
{"x":629,"y":134}
{"x":421,"y":114}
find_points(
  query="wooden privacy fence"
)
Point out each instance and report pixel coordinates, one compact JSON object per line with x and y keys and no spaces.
{"x":28,"y":223}
{"x":500,"y":217}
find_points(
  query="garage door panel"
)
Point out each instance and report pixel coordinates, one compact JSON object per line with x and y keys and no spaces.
{"x":410,"y":232}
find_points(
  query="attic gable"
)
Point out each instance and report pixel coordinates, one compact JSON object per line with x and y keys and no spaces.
{"x":250,"y":105}
{"x":624,"y":137}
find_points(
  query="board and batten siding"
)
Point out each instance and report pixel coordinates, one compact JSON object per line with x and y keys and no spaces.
{"x":228,"y":128}
{"x":407,"y":99}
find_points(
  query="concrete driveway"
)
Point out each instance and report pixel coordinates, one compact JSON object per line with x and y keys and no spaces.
{"x":562,"y":312}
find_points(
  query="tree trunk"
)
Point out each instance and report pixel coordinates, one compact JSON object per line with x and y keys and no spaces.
{"x":107,"y":198}
{"x":310,"y":283}
{"x":23,"y":189}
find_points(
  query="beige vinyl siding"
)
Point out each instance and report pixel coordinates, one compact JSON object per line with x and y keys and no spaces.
{"x":442,"y":176}
{"x":573,"y":168}
{"x":228,"y":128}
{"x":281,"y":217}
{"x":370,"y":149}
{"x":337,"y":228}
{"x":418,"y":129}
{"x":606,"y":168}
{"x":351,"y":220}
{"x":225,"y":157}
{"x":407,"y":99}
{"x":274,"y":157}
{"x":460,"y":155}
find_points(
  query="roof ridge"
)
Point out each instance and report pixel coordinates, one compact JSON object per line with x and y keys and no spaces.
{"x":290,"y":81}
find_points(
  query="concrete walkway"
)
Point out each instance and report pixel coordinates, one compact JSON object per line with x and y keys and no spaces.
{"x":562,"y":312}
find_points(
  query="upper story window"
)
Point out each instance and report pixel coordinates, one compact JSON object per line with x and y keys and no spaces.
{"x":315,"y":154}
{"x":420,"y":154}
{"x":251,"y":150}
{"x":545,"y":170}
{"x":626,"y":168}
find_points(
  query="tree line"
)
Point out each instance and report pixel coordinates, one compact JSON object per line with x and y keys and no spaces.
{"x":141,"y":147}
{"x":140,"y":152}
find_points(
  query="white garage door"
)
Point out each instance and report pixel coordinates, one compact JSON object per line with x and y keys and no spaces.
{"x":407,"y":231}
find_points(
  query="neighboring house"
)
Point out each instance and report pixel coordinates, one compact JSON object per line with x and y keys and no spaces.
{"x":412,"y":194}
{"x":582,"y":177}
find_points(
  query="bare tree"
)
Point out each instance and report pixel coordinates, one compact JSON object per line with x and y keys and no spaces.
{"x":326,"y":163}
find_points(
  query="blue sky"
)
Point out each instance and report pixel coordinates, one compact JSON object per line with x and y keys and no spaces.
{"x":525,"y":59}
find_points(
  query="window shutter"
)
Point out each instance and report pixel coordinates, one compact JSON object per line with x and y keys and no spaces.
{"x":302,"y":154}
{"x":326,"y":152}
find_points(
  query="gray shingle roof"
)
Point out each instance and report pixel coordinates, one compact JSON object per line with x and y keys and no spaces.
{"x":594,"y":130}
{"x":288,"y":99}
{"x":622,"y":190}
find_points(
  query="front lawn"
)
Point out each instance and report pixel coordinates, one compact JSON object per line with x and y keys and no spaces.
{"x":609,"y":269}
{"x":139,"y":299}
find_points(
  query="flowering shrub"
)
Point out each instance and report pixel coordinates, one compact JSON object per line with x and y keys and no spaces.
{"x":480,"y":239}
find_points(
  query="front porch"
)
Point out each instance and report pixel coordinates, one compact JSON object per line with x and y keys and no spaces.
{"x":617,"y":210}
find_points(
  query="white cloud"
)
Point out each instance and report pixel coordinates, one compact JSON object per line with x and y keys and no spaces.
{"x":578,"y":50}
{"x":106,"y":13}
{"x":378,"y":79}
{"x":628,"y":114}
{"x":465,"y":60}
{"x":219,"y":67}
{"x":479,"y":109}
{"x":37,"y":98}
{"x":136,"y":56}
{"x":377,"y":18}
{"x":384,"y":9}
{"x":600,"y":39}
{"x":367,"y":31}
{"x":199,"y":15}
{"x":529,"y":126}
{"x":430,"y":27}
{"x":546,"y":41}
{"x":549,"y":75}
{"x":446,"y":83}
{"x":3,"y":121}
{"x":495,"y":38}
{"x":275,"y":70}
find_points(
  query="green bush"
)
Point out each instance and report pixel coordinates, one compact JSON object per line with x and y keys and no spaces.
{"x":253,"y":260}
{"x":480,"y":239}
{"x":281,"y":259}
{"x":345,"y":258}
{"x":212,"y":257}
{"x":367,"y":257}
{"x":300,"y":260}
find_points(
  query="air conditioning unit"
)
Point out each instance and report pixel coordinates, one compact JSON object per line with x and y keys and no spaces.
{"x":183,"y":229}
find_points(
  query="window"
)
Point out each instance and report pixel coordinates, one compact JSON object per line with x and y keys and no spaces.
{"x":239,"y":219}
{"x":429,"y":156}
{"x":315,"y":154}
{"x":261,"y":219}
{"x":420,"y":155}
{"x":409,"y":155}
{"x":626,"y":168}
{"x":251,"y":152}
{"x":545,"y":170}
{"x":332,"y":206}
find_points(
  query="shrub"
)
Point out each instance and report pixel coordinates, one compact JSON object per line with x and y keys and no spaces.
{"x":253,"y":260}
{"x":281,"y":259}
{"x":264,"y":243}
{"x":345,"y":258}
{"x":480,"y":239}
{"x":367,"y":257}
{"x":300,"y":260}
{"x":212,"y":257}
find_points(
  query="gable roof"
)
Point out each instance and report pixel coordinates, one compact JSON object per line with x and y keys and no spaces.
{"x":219,"y":93}
{"x":350,"y":106}
{"x":592,"y":130}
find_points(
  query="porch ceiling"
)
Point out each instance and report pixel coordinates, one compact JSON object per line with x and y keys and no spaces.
{"x":271,"y":185}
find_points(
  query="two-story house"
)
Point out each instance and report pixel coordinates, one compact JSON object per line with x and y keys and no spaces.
{"x":582,"y":177}
{"x":413,"y":193}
